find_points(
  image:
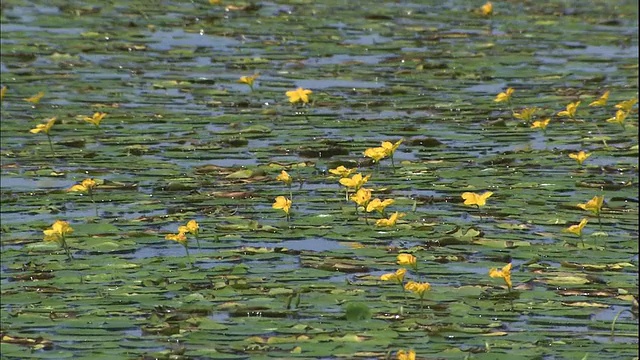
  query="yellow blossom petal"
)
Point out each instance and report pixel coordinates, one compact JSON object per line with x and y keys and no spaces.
{"x":45,"y":128}
{"x":471,"y":199}
{"x":504,"y":96}
{"x":341,"y":171}
{"x":407,"y":259}
{"x":602,"y":101}
{"x":577,"y":229}
{"x":580,"y":157}
{"x":594,"y":205}
{"x":299,"y":95}
{"x":283,"y":204}
{"x":35,"y":98}
{"x":284,"y":177}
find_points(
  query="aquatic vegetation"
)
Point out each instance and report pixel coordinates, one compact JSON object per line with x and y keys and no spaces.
{"x":577,"y":229}
{"x":249,"y":80}
{"x":342,"y":171}
{"x":3,"y":92}
{"x":86,"y":186}
{"x":284,"y":204}
{"x":541,"y":124}
{"x":626,"y":105}
{"x":355,"y":182}
{"x":58,"y":234}
{"x":619,"y":118}
{"x":505,"y":95}
{"x":594,"y":205}
{"x":192,"y":227}
{"x":95,"y":119}
{"x":362,"y":197}
{"x":580,"y":156}
{"x":287,"y":180}
{"x":526,"y":114}
{"x":191,"y":143}
{"x":379,"y":205}
{"x":391,"y":221}
{"x":376,"y":153}
{"x":406,"y":355}
{"x":478,"y":200}
{"x":504,"y":273}
{"x":35,"y":99}
{"x":46,"y":128}
{"x":299,"y":95}
{"x":407,"y":259}
{"x":180,"y":238}
{"x":390,"y":149}
{"x":602,"y":100}
{"x":570,"y":111}
{"x":397,"y":276}
{"x":487,"y":9}
{"x":418,"y":288}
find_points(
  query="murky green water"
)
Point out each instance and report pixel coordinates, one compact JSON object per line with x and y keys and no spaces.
{"x":180,"y":129}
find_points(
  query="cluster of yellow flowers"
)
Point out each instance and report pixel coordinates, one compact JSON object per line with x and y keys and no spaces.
{"x":624,"y":108}
{"x":418,"y":288}
{"x":46,"y":127}
{"x":527,"y":114}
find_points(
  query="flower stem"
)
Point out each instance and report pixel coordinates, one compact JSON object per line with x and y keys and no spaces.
{"x":51,"y":145}
{"x":66,"y":249}
{"x":93,"y":201}
{"x":186,"y":248}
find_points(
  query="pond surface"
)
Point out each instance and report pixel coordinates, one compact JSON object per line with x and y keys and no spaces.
{"x":183,"y":140}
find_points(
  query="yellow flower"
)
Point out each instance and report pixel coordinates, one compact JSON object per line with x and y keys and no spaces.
{"x":44,"y":127}
{"x":299,"y":95}
{"x":355,"y":182}
{"x":58,"y":232}
{"x":542,"y":124}
{"x":35,"y":98}
{"x":362,"y":196}
{"x":284,"y":177}
{"x":96,"y":118}
{"x":406,"y":355}
{"x":397,"y":276}
{"x":594,"y":205}
{"x":602,"y":101}
{"x":418,"y":288}
{"x":580,"y":157}
{"x":85,"y":186}
{"x":526,"y":114}
{"x":487,"y":9}
{"x":571,"y":110}
{"x":3,"y":91}
{"x":377,"y":153}
{"x":379,"y":205}
{"x":407,"y":259}
{"x":248,"y":79}
{"x":577,"y":229}
{"x":342,"y":171}
{"x":192,"y":228}
{"x":282,"y":203}
{"x":180,"y":237}
{"x":626,"y":105}
{"x":478,"y":200}
{"x":504,"y":273}
{"x":391,"y":221}
{"x":390,"y":148}
{"x":504,"y":96}
{"x":619,"y":118}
